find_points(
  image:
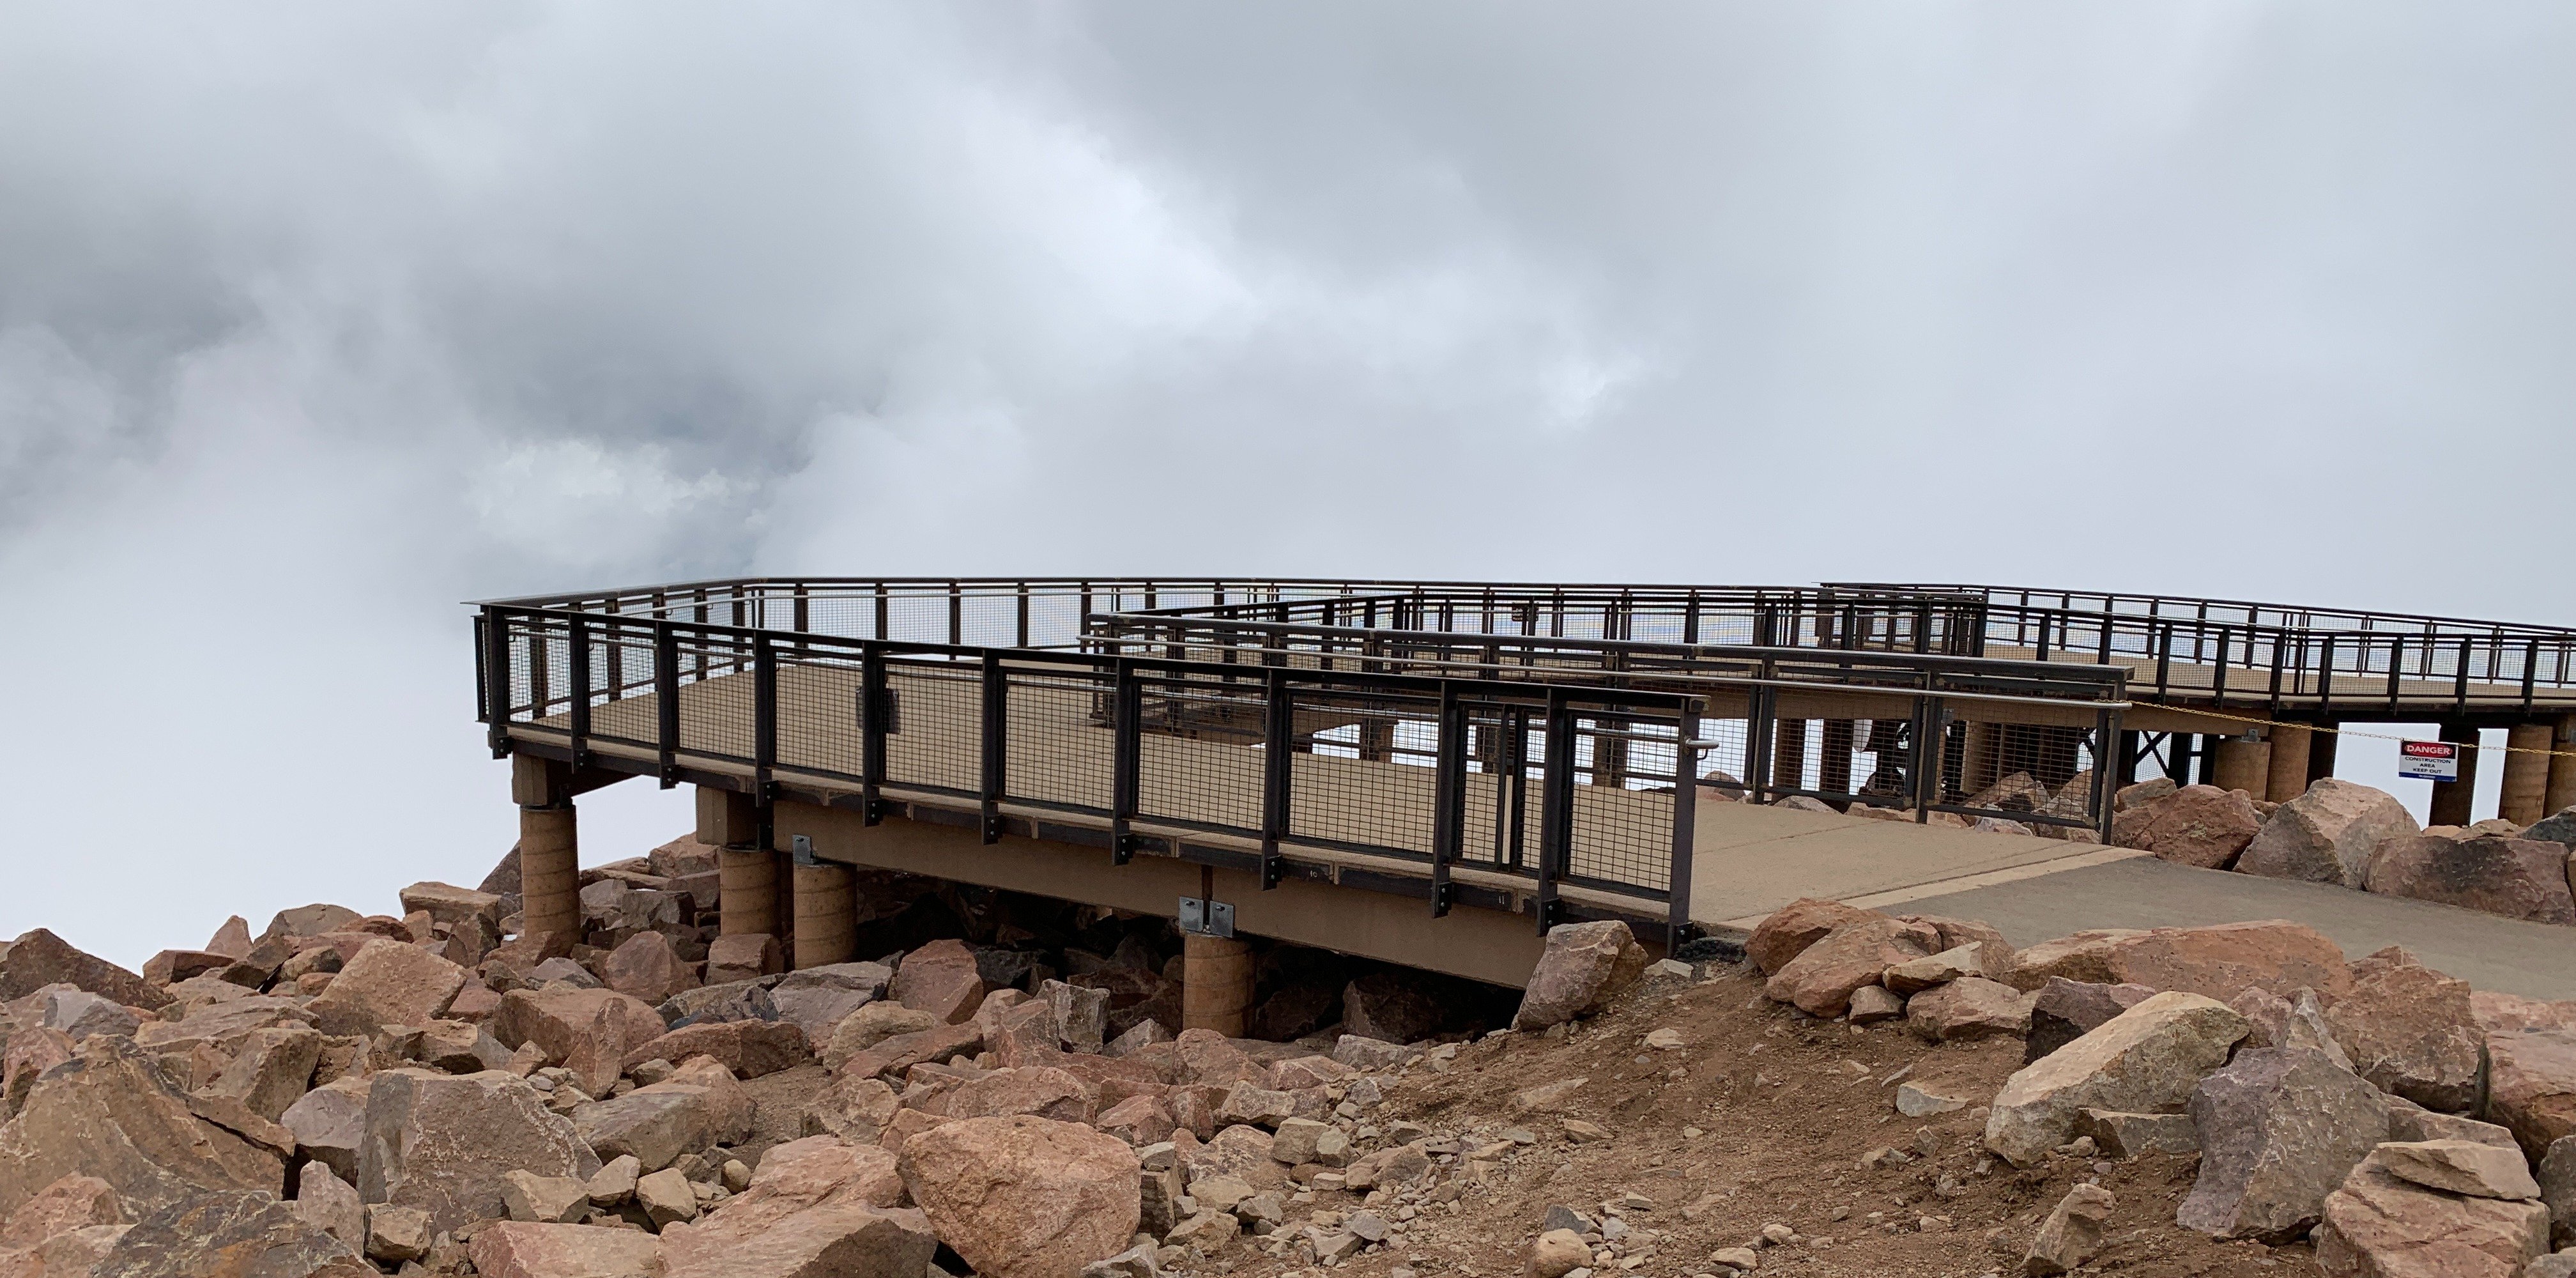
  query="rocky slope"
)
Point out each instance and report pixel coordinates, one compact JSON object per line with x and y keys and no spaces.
{"x":1850,"y":1093}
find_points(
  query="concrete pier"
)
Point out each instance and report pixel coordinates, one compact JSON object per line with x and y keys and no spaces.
{"x":2562,"y":768}
{"x":2451,"y":798}
{"x":2525,"y":795}
{"x":1216,"y":983}
{"x":2288,"y":770}
{"x":827,"y":914}
{"x":2245,"y":765}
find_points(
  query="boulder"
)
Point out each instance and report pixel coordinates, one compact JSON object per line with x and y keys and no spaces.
{"x":441,"y":1142}
{"x":815,"y":1009}
{"x":40,"y":958}
{"x":1024,"y":1197}
{"x":1556,"y":1253}
{"x":1081,"y":1014}
{"x":2459,"y":1167}
{"x":1391,"y":1005}
{"x":109,"y":1113}
{"x":1033,"y":1089}
{"x":2516,"y":878}
{"x":2531,"y":1086}
{"x":750,"y":1049}
{"x":2511,"y":1013}
{"x":312,"y":920}
{"x":683,"y":856}
{"x":233,"y":939}
{"x":2410,"y":1030}
{"x":2062,"y":1011}
{"x":77,"y":1012}
{"x":1969,"y":1008}
{"x":871,"y":1025}
{"x":2145,"y":1060}
{"x":519,"y":1249}
{"x":1871,"y":1004}
{"x":744,"y":956}
{"x":2142,"y":793}
{"x":2557,"y":1176}
{"x":1916,"y":975}
{"x":940,"y":978}
{"x":74,"y":1202}
{"x":857,"y":1109}
{"x":2328,"y":834}
{"x":698,"y":1106}
{"x":1793,"y":927}
{"x":1138,"y":1120}
{"x":646,"y":967}
{"x":816,"y":1208}
{"x":557,"y":1200}
{"x":226,"y":1232}
{"x":2197,"y":825}
{"x":459,"y":1047}
{"x":1244,"y":1152}
{"x":903,"y":1051}
{"x":2220,"y":962}
{"x":1360,"y":1052}
{"x":388,"y":983}
{"x":172,"y":966}
{"x":451,"y":906}
{"x":1583,"y":966}
{"x":397,"y":1234}
{"x":271,"y":1070}
{"x":2378,"y":1225}
{"x":1820,"y":980}
{"x":2410,"y":1121}
{"x":2279,"y":1129}
{"x":731,"y":1001}
{"x":329,"y":1123}
{"x":588,"y":1032}
{"x":2071,"y":1234}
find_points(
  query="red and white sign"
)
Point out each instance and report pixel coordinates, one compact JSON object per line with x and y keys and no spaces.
{"x":2428,"y":760}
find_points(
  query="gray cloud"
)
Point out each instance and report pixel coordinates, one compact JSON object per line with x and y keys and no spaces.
{"x":325,"y":318}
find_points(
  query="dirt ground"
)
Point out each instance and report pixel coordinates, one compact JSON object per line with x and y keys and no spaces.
{"x":1785,"y":1107}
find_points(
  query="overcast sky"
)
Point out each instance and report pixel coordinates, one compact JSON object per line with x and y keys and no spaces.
{"x":316,"y":320}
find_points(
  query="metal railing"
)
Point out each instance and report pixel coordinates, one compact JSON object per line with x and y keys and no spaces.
{"x":1539,"y":787}
{"x":2013,"y":740}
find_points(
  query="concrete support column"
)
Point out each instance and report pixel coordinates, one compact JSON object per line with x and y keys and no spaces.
{"x":2243,"y":765}
{"x":1216,"y":983}
{"x":2289,"y":766}
{"x":2321,"y":752}
{"x":827,"y":914}
{"x":1789,"y":755}
{"x":748,"y":883}
{"x":2451,"y":798}
{"x":2562,"y":768}
{"x":549,"y":872}
{"x":2526,"y":773}
{"x":1836,"y":762}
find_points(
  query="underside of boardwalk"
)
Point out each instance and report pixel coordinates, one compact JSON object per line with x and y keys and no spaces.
{"x":1435,"y":773}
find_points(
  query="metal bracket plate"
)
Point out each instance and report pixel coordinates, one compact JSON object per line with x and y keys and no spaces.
{"x":1207,"y":918}
{"x":800,"y":847}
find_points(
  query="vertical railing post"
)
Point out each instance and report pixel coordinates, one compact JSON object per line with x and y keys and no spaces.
{"x":1126,"y":702}
{"x":2325,"y":675}
{"x":666,"y":700}
{"x":764,"y":714}
{"x":1758,"y":714}
{"x":885,"y":614}
{"x":875,"y":705}
{"x":1927,"y":757}
{"x":613,"y":646}
{"x":2107,"y":779}
{"x":956,"y":614}
{"x":1024,"y":614}
{"x":577,"y":669}
{"x":497,"y":681}
{"x":1278,"y":724}
{"x":1556,"y":806}
{"x":997,"y":700}
{"x":1677,"y":881}
{"x":1449,"y":796}
{"x":1511,"y":802}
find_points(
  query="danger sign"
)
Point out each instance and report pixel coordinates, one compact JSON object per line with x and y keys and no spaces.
{"x":2428,"y":760}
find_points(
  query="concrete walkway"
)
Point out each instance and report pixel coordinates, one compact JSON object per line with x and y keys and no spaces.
{"x":2537,"y":960}
{"x":1752,"y":859}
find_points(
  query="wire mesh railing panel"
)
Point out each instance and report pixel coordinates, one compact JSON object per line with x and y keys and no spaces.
{"x":1722,"y":760}
{"x":1621,"y":830}
{"x":934,"y":731}
{"x":716,"y":698}
{"x":2035,"y":773}
{"x":821,"y":720}
{"x":1362,"y":771}
{"x":1498,"y":792}
{"x":1199,"y":752}
{"x":1059,"y":748}
{"x":626,"y":709}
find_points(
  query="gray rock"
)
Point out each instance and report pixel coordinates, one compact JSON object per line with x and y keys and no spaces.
{"x":228,"y":1232}
{"x":2071,"y":1234}
{"x":2067,"y":1010}
{"x":2458,"y":1167}
{"x":2279,"y":1130}
{"x":2557,"y":1177}
{"x":440,"y":1143}
{"x":2328,"y":834}
{"x":2145,"y":1060}
{"x":731,"y":1001}
{"x":2410,"y":1121}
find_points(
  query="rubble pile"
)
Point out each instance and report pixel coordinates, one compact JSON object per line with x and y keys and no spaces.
{"x":1848,"y":1091}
